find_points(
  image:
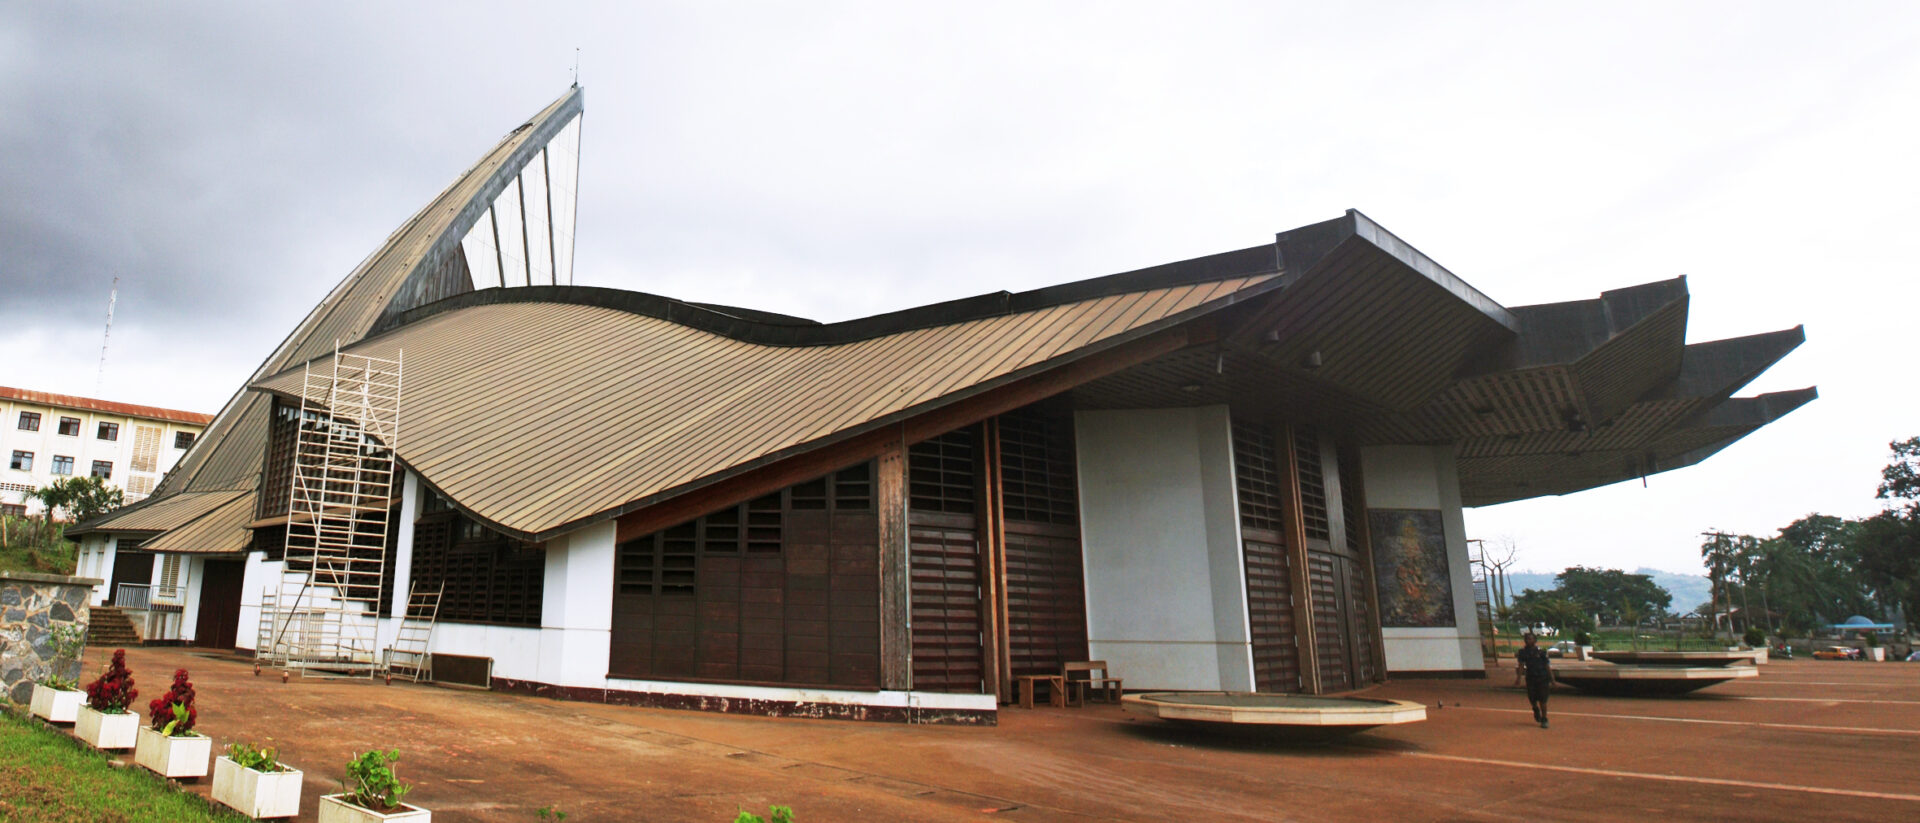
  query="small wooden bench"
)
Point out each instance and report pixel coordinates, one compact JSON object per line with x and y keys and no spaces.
{"x":1108,"y":687}
{"x":1056,"y":689}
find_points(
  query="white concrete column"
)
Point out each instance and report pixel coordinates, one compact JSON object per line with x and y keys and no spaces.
{"x":190,"y":568}
{"x":1425,"y":477}
{"x":1159,"y":527}
{"x":109,"y":550}
{"x":402,"y":549}
{"x":576,"y":612}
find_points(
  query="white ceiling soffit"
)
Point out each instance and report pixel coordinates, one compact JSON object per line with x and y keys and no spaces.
{"x":526,"y":237}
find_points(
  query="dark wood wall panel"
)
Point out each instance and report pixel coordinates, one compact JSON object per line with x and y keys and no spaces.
{"x":1326,"y":583}
{"x":1360,"y":617}
{"x":485,"y":576}
{"x":945,"y":564}
{"x":1276,"y":655}
{"x":1046,"y":598}
{"x":780,"y":589}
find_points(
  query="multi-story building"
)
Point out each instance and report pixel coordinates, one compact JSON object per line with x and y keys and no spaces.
{"x":46,"y":436}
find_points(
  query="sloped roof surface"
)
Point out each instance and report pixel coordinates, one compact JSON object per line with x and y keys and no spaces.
{"x":534,"y":415}
{"x":223,"y":530}
{"x":160,"y":514}
{"x":422,"y":261}
{"x":68,"y":401}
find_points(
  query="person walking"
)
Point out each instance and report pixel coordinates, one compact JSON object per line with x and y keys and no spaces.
{"x":1531,"y":663}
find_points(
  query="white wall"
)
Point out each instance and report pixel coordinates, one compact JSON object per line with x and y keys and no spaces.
{"x":84,"y":448}
{"x":1160,"y":530}
{"x":1425,"y":477}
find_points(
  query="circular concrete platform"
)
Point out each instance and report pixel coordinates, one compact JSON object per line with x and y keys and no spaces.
{"x":1660,"y":658}
{"x":1649,"y":680}
{"x":1277,"y":716}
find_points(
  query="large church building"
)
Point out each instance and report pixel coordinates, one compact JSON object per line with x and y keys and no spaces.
{"x":1244,"y":471}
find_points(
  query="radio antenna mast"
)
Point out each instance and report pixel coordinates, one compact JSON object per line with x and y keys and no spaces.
{"x":112,"y":297}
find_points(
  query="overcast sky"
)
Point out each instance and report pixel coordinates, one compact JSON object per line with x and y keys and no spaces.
{"x":230,"y":163}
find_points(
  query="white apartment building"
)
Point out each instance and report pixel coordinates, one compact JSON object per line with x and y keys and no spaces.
{"x":46,"y":436}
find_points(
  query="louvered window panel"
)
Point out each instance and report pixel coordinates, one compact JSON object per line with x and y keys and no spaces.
{"x":944,"y":563}
{"x":1313,"y":485}
{"x":1257,"y":474}
{"x":486,"y":577}
{"x":941,"y":473}
{"x":1036,"y":469}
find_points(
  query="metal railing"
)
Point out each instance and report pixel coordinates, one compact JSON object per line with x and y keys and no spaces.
{"x":143,"y":597}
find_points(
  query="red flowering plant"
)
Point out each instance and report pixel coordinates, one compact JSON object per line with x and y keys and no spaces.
{"x":112,"y":692}
{"x":173,"y":713}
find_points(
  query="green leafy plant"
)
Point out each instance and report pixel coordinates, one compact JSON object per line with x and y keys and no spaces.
{"x":1755,"y":636}
{"x":65,"y":641}
{"x":371,"y":782}
{"x":257,"y":758}
{"x":775,"y":814}
{"x":551,"y":813}
{"x":1583,"y":639}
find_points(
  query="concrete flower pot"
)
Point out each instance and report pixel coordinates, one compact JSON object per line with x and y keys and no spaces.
{"x":176,"y":757}
{"x":335,"y":808}
{"x":106,"y":731}
{"x":1877,"y":654}
{"x":56,"y":705}
{"x":256,"y":794}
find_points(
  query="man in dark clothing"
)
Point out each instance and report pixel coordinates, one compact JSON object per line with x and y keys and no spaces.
{"x":1532,"y":664}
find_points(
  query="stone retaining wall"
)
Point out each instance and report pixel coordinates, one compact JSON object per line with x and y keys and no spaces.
{"x":31,"y":605}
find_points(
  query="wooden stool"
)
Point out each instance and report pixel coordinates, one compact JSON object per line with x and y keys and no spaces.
{"x":1056,"y":693}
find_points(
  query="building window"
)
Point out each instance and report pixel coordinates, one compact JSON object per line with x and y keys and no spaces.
{"x":103,"y":469}
{"x":182,"y":440}
{"x":70,"y":426}
{"x":108,"y":431}
{"x":22,"y":461}
{"x":29,"y":421}
{"x":62,"y":464}
{"x":13,"y":509}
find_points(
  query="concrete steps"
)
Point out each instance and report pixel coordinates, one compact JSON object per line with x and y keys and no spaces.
{"x":108,"y":626}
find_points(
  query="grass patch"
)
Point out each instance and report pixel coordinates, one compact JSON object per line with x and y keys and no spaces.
{"x":47,"y":776}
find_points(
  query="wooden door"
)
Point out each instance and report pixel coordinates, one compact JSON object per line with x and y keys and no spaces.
{"x":944,"y":563}
{"x":1332,"y":619}
{"x":135,"y":568}
{"x":219,"y":618}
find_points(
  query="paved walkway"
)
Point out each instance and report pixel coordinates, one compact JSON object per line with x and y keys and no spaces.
{"x":1807,"y":740}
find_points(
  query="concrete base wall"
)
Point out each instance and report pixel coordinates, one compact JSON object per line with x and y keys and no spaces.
{"x":1160,"y":529}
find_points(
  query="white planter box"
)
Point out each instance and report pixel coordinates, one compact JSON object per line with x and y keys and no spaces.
{"x":176,"y":757}
{"x":106,"y":731}
{"x":56,"y":705}
{"x":334,"y":808}
{"x":256,"y":794}
{"x":1878,"y":654}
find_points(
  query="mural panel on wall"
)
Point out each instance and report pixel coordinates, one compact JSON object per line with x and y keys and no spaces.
{"x":1410,"y":568}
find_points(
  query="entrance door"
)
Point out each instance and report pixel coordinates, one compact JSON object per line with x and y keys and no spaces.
{"x":135,"y":568}
{"x":219,"y":620}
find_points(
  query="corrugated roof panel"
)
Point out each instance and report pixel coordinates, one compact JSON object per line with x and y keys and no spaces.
{"x":535,"y":415}
{"x":220,"y":531}
{"x":162,"y":513}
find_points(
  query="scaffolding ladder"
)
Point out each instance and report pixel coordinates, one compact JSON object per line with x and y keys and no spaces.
{"x":408,"y":656}
{"x":325,"y":613}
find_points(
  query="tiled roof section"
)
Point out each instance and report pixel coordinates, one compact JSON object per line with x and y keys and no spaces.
{"x":228,"y":456}
{"x":222,"y":530}
{"x":158,"y":514}
{"x":539,"y":415}
{"x":68,"y":401}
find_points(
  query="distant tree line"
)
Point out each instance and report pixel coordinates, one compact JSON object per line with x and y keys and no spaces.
{"x":1581,"y":594}
{"x":1821,"y":569}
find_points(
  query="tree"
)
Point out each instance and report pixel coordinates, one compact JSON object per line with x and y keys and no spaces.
{"x":79,"y":498}
{"x":1553,"y":609}
{"x":1884,"y":551}
{"x":1900,"y":480}
{"x":1717,"y":552}
{"x":1612,"y":594}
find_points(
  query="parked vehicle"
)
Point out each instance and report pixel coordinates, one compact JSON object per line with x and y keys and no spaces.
{"x":1564,"y":648}
{"x":1842,"y":653}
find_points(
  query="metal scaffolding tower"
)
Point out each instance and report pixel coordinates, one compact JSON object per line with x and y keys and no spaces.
{"x":325,"y":614}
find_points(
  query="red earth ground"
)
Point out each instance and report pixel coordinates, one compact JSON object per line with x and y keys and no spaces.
{"x":1807,"y":740}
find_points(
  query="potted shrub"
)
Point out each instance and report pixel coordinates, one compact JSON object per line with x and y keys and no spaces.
{"x":168,"y":745}
{"x":1875,"y":651}
{"x":252,"y":781}
{"x":104,"y":722}
{"x":371,"y":793}
{"x":57,"y":697}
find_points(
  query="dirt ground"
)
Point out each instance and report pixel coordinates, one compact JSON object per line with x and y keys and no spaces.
{"x":1807,"y":740}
